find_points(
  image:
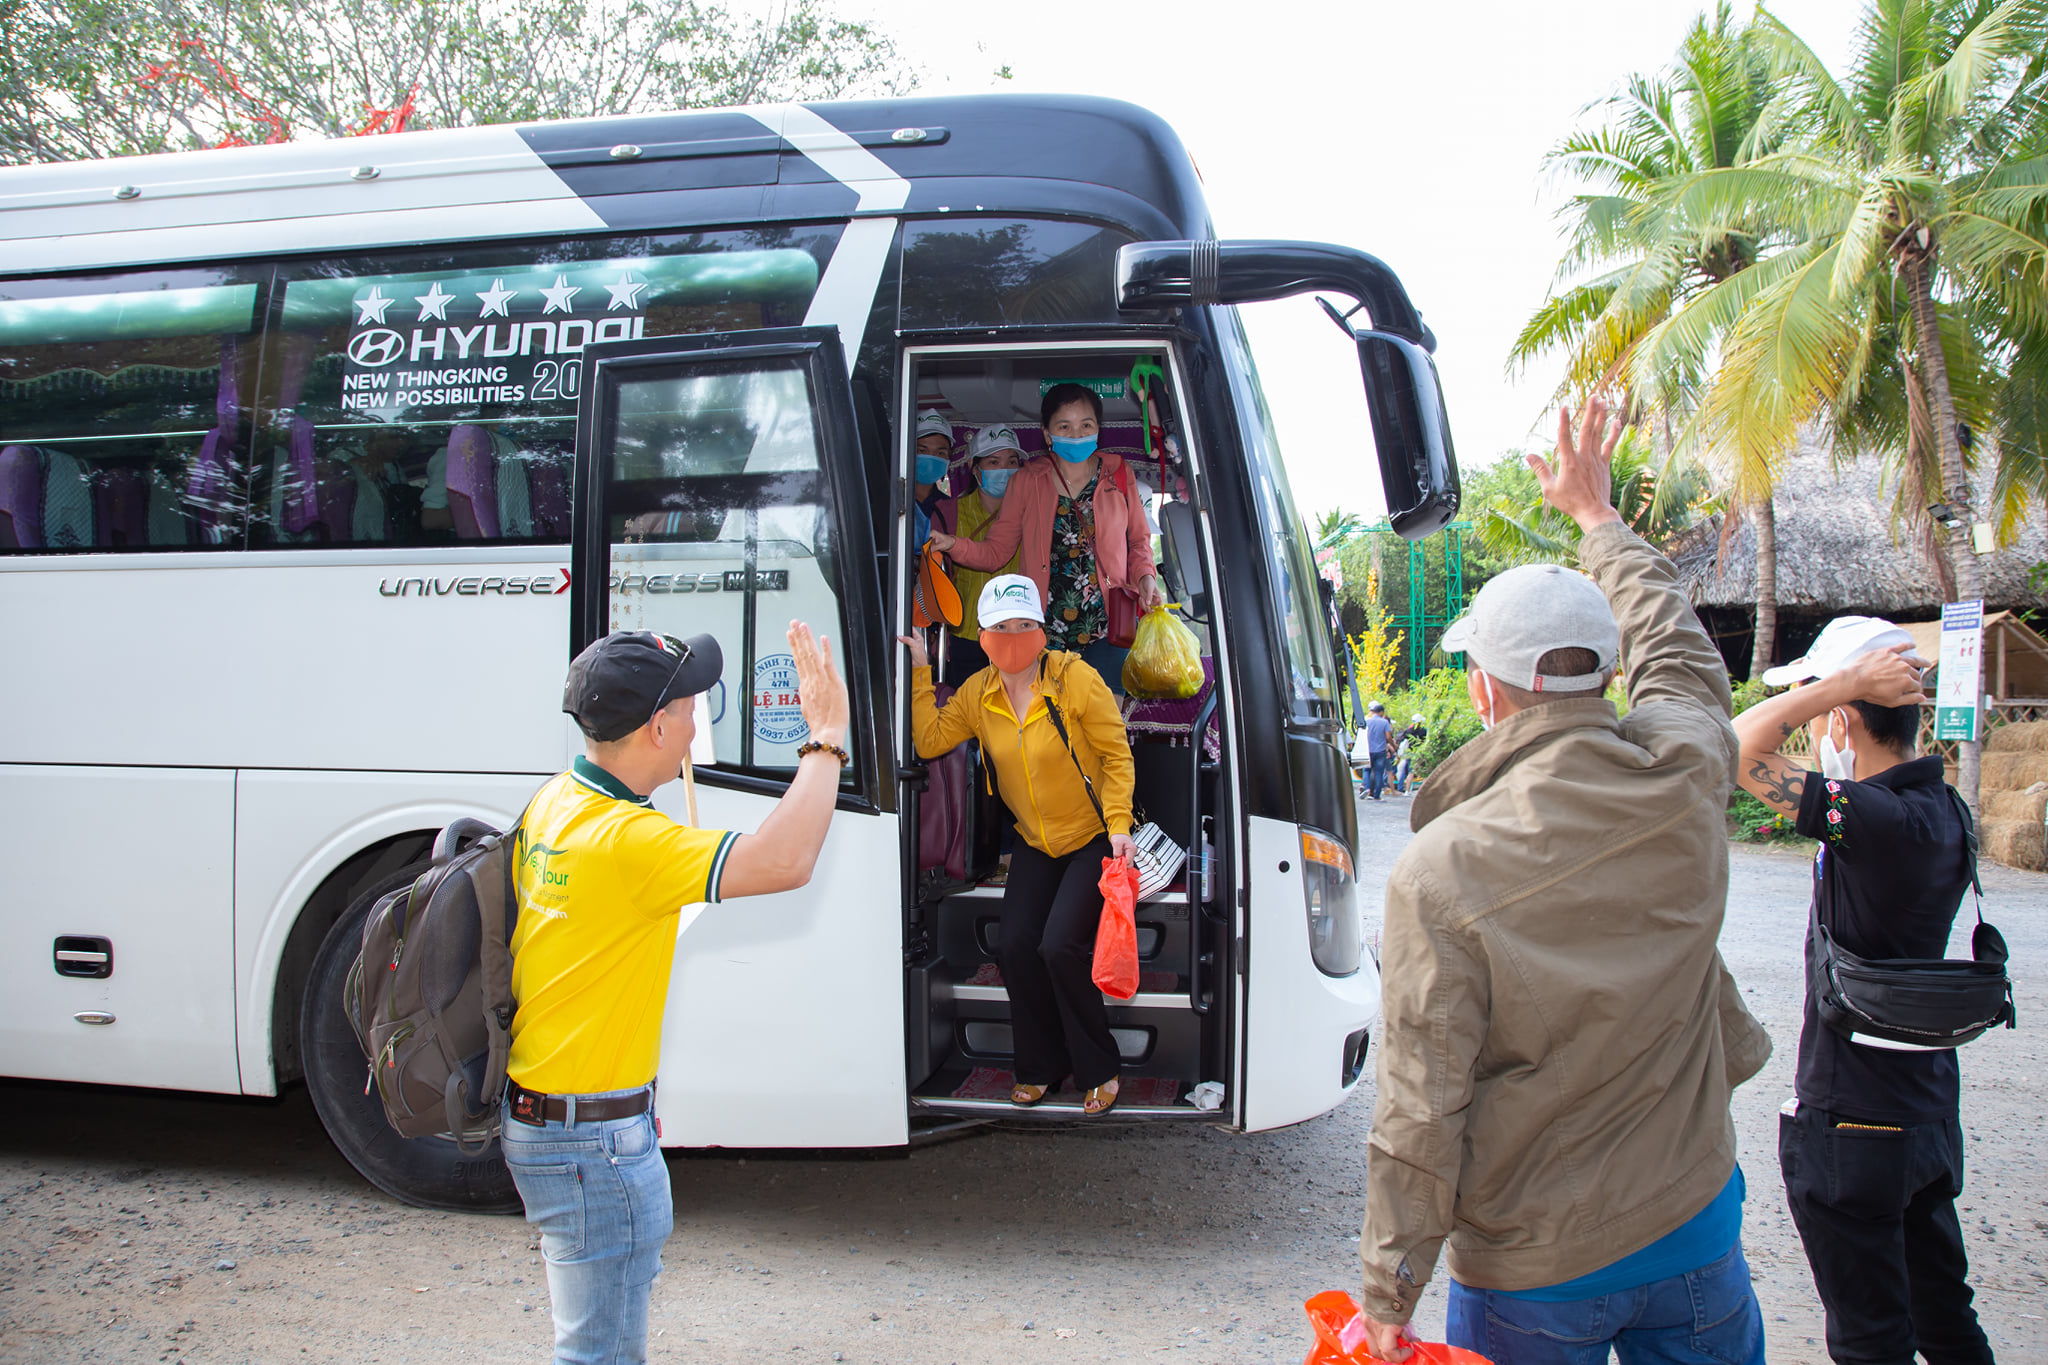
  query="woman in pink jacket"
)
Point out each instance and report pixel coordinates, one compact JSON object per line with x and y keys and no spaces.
{"x":1076,"y":523}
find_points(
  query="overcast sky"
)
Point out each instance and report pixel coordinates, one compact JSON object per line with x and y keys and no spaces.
{"x":1413,"y":131}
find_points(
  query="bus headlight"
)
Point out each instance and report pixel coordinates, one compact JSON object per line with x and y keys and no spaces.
{"x":1331,"y":888}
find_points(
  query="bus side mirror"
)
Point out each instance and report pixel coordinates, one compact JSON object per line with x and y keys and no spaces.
{"x":1418,"y":468}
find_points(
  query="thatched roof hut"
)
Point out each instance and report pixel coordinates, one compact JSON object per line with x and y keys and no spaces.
{"x":1837,"y":553}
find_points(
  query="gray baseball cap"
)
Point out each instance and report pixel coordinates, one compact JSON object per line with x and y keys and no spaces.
{"x":1525,"y":613}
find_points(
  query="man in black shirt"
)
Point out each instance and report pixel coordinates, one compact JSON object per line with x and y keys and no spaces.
{"x":1872,"y":1145}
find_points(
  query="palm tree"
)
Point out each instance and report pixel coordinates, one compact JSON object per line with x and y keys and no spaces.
{"x":1652,"y":256}
{"x":1337,"y":526}
{"x":1904,"y":268}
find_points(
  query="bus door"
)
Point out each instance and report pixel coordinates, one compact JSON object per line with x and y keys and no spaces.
{"x":719,"y":490}
{"x":1174,"y":1034}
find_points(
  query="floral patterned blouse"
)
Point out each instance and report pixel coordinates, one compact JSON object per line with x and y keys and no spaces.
{"x":1076,"y":615}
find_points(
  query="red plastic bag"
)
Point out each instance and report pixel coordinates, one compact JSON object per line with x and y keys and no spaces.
{"x":1340,"y":1337}
{"x":1116,"y":937}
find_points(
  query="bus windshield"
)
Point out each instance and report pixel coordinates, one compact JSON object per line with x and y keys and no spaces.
{"x":1312,"y":675}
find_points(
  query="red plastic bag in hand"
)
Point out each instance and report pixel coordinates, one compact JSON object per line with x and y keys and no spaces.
{"x":1340,"y":1337}
{"x":1116,"y":937}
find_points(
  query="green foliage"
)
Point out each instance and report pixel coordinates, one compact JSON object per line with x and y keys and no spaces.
{"x":1920,"y":174}
{"x":76,"y":80}
{"x":1749,"y":693}
{"x":1446,"y":709}
{"x":1750,"y":821}
{"x":1656,"y":499}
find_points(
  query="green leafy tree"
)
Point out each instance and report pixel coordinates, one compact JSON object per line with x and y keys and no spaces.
{"x":1657,"y":498}
{"x":1905,"y":286}
{"x":1649,"y":251}
{"x":81,"y":79}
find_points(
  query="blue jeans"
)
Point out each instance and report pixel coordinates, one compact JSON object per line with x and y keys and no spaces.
{"x":1709,"y":1316}
{"x":1377,"y":781}
{"x":599,"y":1194}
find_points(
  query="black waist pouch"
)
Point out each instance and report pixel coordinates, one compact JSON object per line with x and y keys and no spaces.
{"x":1929,"y":1002}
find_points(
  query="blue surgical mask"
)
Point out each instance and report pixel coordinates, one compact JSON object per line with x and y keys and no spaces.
{"x":1073,"y":449}
{"x":931,"y":468}
{"x":995,"y":481}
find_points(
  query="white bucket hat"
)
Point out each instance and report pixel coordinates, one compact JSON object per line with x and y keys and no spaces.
{"x":1842,"y":640}
{"x":1007,"y":597}
{"x":1523,"y":614}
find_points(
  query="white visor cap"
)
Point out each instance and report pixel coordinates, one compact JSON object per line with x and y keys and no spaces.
{"x":1006,"y":597}
{"x":988,"y":440}
{"x":1843,"y":640}
{"x":1528,"y":611}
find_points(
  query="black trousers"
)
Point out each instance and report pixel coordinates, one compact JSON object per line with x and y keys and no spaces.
{"x":1875,"y":1207}
{"x":1050,"y":909}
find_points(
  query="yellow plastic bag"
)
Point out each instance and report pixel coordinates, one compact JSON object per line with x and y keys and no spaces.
{"x":1165,"y":662}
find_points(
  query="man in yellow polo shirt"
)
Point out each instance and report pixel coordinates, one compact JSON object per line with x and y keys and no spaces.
{"x":602,"y":880}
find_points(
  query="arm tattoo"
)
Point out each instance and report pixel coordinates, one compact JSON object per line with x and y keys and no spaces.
{"x":1779,"y":784}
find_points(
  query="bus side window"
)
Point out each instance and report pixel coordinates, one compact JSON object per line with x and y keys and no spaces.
{"x":122,"y":412}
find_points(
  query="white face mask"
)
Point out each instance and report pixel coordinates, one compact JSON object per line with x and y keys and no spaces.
{"x":1839,"y":764}
{"x":1486,"y":716}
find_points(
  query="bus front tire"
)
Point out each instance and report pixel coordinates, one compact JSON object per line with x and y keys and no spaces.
{"x":429,"y":1173}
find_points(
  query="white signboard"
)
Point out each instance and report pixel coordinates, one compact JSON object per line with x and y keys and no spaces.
{"x":1960,"y":686}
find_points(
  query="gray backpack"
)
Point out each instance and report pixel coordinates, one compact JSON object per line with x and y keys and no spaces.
{"x":430,"y":996}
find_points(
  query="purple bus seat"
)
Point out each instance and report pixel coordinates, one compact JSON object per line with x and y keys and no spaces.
{"x":207,"y":486}
{"x":472,"y":483}
{"x":21,"y":498}
{"x":547,"y":487}
{"x":302,"y":487}
{"x":120,"y":507}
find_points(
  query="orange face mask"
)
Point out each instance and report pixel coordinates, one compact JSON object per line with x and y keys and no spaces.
{"x":1013,"y":651}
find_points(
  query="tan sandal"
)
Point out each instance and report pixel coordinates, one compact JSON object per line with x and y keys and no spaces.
{"x":1024,"y":1096}
{"x":1102,"y":1098}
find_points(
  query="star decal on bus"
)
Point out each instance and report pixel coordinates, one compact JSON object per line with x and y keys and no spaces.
{"x":433,"y":303}
{"x":495,"y":298}
{"x":626,"y":293}
{"x":373,"y":307}
{"x":560,"y":297}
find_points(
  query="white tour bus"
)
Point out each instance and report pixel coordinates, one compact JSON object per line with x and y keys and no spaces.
{"x":318,"y":462}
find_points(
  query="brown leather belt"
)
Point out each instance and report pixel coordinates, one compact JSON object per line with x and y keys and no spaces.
{"x":532,"y":1107}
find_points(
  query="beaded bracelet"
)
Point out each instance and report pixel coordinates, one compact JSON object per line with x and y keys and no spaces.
{"x":817,"y":747}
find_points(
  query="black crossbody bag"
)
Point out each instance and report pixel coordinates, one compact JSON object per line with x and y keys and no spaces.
{"x":1934,"y":1002}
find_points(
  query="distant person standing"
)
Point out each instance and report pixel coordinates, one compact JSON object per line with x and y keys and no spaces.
{"x":1872,"y":1144}
{"x":1377,"y":731}
{"x":1406,"y":745}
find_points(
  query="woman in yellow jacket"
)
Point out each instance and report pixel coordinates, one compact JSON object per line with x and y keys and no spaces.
{"x":1050,"y":903}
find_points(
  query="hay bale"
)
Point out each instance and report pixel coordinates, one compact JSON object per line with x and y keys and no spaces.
{"x":2016,"y":843}
{"x":2026,"y":736}
{"x":2016,"y":806}
{"x":2013,"y":771}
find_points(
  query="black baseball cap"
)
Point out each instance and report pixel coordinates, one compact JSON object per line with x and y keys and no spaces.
{"x":617,"y":684}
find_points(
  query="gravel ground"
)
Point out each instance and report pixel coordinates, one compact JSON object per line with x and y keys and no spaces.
{"x":143,"y":1226}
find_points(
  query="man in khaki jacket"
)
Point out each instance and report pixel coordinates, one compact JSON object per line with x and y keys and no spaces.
{"x":1561,"y":1037}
